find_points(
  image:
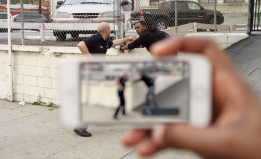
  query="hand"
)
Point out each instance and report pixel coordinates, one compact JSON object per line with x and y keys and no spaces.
{"x":131,"y":38}
{"x":235,"y":131}
{"x":120,"y":49}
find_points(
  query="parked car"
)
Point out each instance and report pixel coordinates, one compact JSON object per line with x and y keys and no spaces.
{"x":164,"y":16}
{"x":3,"y":18}
{"x":31,"y":18}
{"x":82,"y":11}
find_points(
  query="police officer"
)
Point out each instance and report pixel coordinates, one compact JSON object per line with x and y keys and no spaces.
{"x":97,"y":44}
{"x":100,"y":42}
{"x":121,"y":84}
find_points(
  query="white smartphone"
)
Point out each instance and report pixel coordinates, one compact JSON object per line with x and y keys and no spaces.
{"x":141,"y":92}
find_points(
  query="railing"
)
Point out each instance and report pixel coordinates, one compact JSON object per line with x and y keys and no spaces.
{"x":196,"y":26}
{"x":55,"y":26}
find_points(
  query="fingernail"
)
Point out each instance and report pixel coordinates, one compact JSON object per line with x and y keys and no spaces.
{"x":158,"y":134}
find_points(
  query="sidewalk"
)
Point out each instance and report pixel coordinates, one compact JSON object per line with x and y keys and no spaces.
{"x":34,"y":132}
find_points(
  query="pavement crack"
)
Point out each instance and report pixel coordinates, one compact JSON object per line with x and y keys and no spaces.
{"x":254,"y":70}
{"x":128,"y":154}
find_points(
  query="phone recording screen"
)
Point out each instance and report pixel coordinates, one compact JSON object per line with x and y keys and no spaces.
{"x":149,"y":91}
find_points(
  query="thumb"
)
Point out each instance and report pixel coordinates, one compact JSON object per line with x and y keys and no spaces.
{"x":204,"y":141}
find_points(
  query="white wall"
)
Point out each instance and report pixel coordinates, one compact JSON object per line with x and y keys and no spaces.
{"x":35,"y":69}
{"x":34,"y":74}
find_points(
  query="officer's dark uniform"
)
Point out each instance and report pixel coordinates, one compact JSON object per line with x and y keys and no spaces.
{"x":121,"y":96}
{"x":96,"y":44}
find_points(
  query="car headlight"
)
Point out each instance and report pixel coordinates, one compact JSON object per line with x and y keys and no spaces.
{"x":62,"y":15}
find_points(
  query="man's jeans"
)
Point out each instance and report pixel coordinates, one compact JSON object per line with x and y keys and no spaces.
{"x":152,"y":94}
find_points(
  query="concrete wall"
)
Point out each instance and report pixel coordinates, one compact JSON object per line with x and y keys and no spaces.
{"x":35,"y":68}
{"x":229,"y":7}
{"x":4,"y":76}
{"x":35,"y":73}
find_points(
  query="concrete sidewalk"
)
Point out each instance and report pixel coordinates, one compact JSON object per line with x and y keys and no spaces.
{"x":34,"y":132}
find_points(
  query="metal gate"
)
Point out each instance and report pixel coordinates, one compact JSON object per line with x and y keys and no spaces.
{"x":255,"y":15}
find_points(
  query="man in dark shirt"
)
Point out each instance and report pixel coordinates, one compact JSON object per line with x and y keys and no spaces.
{"x":150,"y":84}
{"x":100,"y":42}
{"x":121,"y":84}
{"x":147,"y":37}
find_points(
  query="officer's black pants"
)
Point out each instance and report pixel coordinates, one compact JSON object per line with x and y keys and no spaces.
{"x":122,"y":103}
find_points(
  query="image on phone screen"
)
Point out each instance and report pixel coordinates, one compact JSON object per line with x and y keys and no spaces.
{"x":143,"y":91}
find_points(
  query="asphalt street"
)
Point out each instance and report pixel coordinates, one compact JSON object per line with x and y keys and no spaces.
{"x":246,"y":55}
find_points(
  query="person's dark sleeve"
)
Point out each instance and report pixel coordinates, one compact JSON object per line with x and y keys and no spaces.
{"x":110,"y":43}
{"x":136,"y":43}
{"x":89,"y":41}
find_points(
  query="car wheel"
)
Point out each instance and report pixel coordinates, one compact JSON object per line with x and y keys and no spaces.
{"x":61,"y":37}
{"x":211,"y":22}
{"x":75,"y":35}
{"x":161,"y":24}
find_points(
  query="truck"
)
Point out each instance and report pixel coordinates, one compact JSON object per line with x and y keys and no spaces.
{"x":15,"y":9}
{"x":187,"y":12}
{"x":90,"y":12}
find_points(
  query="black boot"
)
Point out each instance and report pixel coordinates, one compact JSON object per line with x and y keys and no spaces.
{"x":123,"y":111}
{"x":82,"y":132}
{"x":116,"y":113}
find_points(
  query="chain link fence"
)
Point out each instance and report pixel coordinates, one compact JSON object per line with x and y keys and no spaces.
{"x":66,"y":23}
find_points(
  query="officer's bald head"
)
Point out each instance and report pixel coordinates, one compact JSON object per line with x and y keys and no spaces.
{"x":102,"y":27}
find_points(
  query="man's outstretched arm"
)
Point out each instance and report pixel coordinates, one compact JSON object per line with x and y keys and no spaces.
{"x":135,"y":44}
{"x":120,"y":41}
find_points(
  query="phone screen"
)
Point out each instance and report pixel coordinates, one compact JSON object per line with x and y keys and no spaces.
{"x":144,"y":91}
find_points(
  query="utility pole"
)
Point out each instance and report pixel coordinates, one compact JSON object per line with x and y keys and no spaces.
{"x":40,"y":6}
{"x":118,"y":19}
{"x":22,"y":20}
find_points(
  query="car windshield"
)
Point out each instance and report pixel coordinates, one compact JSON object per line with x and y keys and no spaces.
{"x":71,"y":2}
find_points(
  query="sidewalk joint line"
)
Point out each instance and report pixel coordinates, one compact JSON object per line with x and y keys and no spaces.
{"x":254,"y":70}
{"x":127,"y":154}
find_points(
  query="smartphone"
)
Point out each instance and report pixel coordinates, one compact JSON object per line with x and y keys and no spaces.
{"x":141,"y":92}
